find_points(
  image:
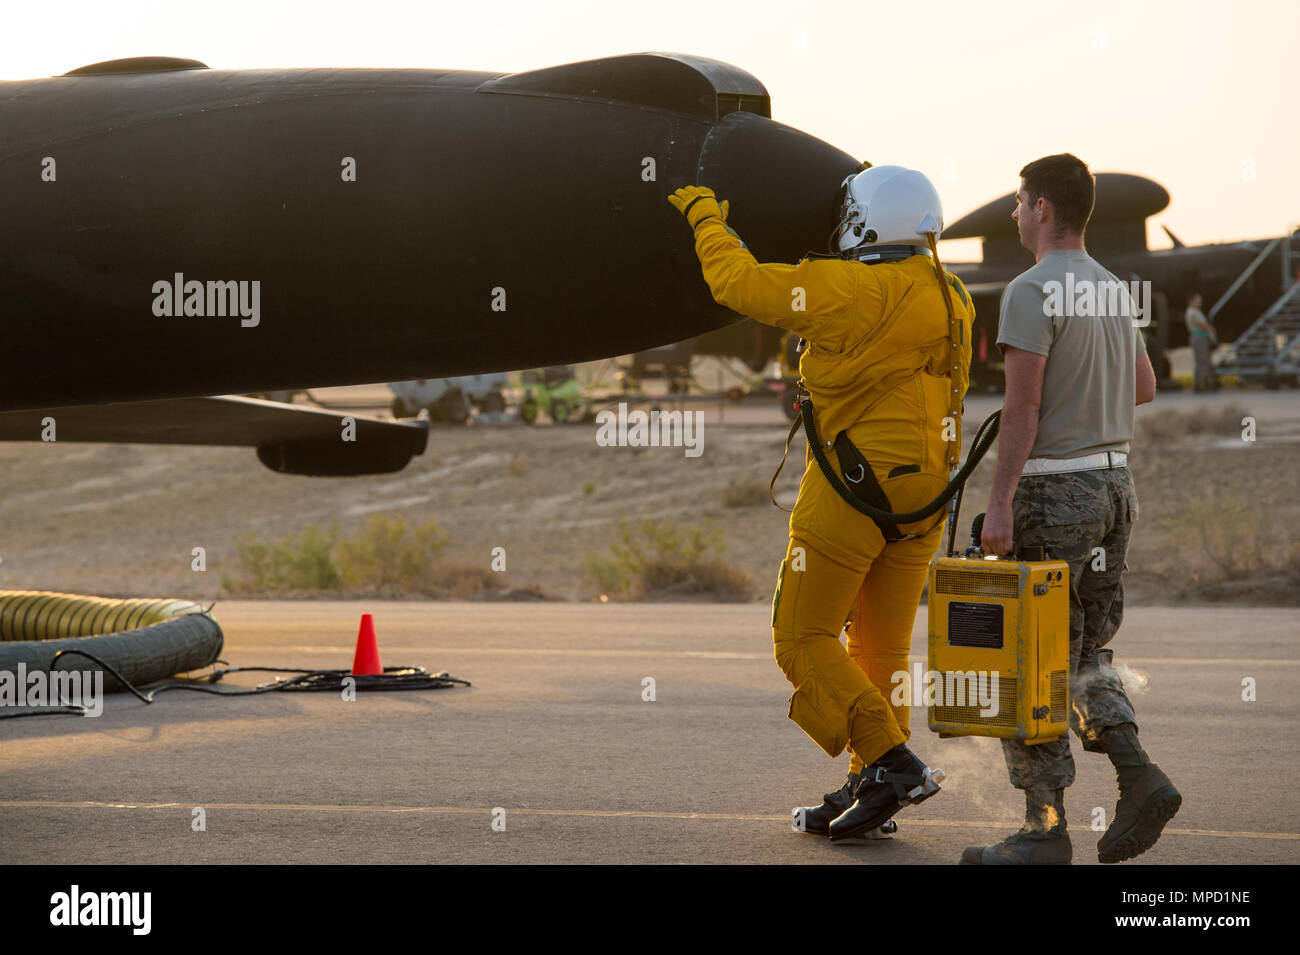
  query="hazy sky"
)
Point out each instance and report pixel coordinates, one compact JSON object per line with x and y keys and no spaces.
{"x":1193,"y":95}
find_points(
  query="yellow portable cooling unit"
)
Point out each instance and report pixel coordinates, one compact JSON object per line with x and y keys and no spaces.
{"x":999,"y":648}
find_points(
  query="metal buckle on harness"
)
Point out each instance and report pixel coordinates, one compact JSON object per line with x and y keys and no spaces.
{"x":904,"y":783}
{"x":907,"y":786}
{"x":862,"y":473}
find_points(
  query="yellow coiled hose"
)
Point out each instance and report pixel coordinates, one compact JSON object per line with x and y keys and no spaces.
{"x":42,"y":615}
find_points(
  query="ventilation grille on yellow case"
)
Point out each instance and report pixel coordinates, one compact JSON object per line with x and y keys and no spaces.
{"x":1060,"y":690}
{"x":1005,"y":716}
{"x":986,"y":585}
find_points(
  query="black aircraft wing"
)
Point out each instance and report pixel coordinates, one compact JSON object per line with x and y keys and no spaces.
{"x":288,"y":438}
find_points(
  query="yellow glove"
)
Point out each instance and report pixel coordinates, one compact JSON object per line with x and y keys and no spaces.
{"x":698,"y":203}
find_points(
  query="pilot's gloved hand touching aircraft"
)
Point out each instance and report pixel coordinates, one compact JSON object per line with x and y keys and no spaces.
{"x":886,"y":365}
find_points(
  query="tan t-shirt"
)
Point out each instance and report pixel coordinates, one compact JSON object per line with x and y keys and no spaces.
{"x":1063,"y":308}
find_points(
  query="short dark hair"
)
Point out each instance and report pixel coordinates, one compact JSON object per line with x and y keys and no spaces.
{"x":1065,"y":182}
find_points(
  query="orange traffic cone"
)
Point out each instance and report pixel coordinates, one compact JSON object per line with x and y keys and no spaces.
{"x":366,"y":660}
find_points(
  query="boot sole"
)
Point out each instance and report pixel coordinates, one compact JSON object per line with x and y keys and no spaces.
{"x":1162,"y":806}
{"x":919,"y":794}
{"x":882,"y":833}
{"x":862,"y":829}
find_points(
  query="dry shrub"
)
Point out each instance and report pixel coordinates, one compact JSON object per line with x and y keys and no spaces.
{"x":1168,"y":427}
{"x":385,"y":559}
{"x":1237,"y":553}
{"x":286,"y":565}
{"x":661,"y":561}
{"x":745,"y":492}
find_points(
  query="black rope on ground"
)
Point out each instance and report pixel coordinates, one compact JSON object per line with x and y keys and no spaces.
{"x":393,"y":678}
{"x":69,"y":709}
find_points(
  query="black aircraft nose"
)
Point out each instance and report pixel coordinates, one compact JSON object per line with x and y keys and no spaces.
{"x":781,"y":184}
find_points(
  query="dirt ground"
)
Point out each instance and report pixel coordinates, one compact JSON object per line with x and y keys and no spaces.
{"x":123,"y":520}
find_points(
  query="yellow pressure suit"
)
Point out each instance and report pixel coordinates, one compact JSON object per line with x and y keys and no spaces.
{"x":885,"y":362}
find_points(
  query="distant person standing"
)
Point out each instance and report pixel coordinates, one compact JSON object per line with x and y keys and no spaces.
{"x":1200,"y":333}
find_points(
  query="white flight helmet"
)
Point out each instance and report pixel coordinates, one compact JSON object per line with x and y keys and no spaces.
{"x":886,"y":205}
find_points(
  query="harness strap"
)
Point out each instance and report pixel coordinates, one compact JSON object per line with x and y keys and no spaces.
{"x":771,"y":488}
{"x":875,"y":513}
{"x":862,"y":480}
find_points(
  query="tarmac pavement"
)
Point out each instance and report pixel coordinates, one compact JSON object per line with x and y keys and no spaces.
{"x":555,"y":740}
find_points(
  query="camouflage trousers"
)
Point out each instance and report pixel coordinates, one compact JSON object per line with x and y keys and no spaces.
{"x":1084,"y":518}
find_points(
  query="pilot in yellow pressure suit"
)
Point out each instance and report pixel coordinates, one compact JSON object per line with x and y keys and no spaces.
{"x":886,"y":366}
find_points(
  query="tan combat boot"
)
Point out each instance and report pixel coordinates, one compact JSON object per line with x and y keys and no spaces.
{"x":1147,"y":799}
{"x":1042,"y":840}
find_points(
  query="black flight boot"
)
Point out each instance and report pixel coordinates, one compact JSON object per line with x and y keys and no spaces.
{"x":1042,"y":840}
{"x":1147,"y":799}
{"x":817,"y":819}
{"x":895,"y":780}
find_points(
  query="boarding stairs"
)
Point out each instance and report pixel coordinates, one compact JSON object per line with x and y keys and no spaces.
{"x":1268,"y":352}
